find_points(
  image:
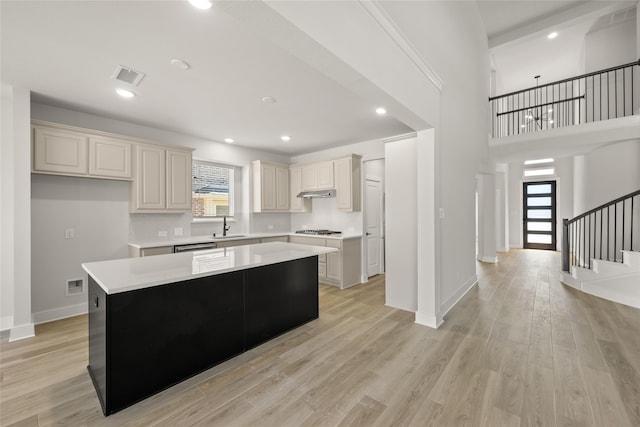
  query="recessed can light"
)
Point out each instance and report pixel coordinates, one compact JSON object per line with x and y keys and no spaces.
{"x":381,"y":111}
{"x":125,"y":93}
{"x":179,"y":63}
{"x":201,"y":4}
{"x":228,"y":140}
{"x":552,"y":35}
{"x":285,"y":138}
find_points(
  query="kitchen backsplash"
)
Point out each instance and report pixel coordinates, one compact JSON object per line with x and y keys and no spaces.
{"x":325,"y":215}
{"x":145,"y":227}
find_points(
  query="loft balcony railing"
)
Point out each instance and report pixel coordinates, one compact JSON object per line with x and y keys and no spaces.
{"x":602,"y":233}
{"x":600,"y":95}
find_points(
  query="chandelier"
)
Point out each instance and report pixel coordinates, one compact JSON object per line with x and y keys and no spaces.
{"x":537,"y":114}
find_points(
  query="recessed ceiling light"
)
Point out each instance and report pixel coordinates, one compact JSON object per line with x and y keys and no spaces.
{"x":179,"y":63}
{"x":285,"y":138}
{"x":125,"y":93}
{"x":381,"y":111}
{"x":268,"y":100}
{"x":201,"y":4}
{"x":228,"y":140}
{"x":552,"y":35}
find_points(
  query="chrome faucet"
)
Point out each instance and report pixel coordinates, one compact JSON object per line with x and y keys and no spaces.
{"x":225,"y":227}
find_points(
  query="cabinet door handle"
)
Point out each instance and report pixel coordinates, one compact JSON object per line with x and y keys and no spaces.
{"x":96,"y":301}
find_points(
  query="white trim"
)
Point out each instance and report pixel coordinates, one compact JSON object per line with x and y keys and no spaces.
{"x":455,"y":298}
{"x":400,"y":137}
{"x":22,"y":332}
{"x":490,"y":259}
{"x":385,"y":21}
{"x":429,"y":320}
{"x":59,"y":313}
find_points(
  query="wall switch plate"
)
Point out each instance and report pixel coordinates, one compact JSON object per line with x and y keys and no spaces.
{"x":68,"y":233}
{"x":441,"y":213}
{"x":163,"y":233}
{"x":177,"y":231}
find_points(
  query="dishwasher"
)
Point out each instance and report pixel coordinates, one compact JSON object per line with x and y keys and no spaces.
{"x":194,"y":247}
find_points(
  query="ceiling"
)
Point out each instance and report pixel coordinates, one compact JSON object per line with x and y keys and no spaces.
{"x":65,"y":52}
{"x":519,"y":47}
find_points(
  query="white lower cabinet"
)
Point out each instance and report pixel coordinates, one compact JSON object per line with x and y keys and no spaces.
{"x":340,"y":268}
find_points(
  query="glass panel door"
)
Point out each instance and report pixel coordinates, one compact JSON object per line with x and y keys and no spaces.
{"x":539,"y":222}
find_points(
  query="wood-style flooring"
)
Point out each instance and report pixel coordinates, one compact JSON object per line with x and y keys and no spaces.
{"x":520,"y":349}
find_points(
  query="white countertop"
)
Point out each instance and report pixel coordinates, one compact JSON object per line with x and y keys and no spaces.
{"x":206,"y":239}
{"x":129,"y":274}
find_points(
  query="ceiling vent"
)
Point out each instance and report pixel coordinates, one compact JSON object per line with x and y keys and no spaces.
{"x":128,"y":75}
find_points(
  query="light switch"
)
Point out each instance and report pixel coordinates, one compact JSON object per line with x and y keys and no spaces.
{"x":68,"y":233}
{"x":441,"y":213}
{"x":163,"y":233}
{"x":177,"y":231}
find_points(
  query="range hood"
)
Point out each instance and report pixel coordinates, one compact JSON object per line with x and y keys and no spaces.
{"x":316,"y":193}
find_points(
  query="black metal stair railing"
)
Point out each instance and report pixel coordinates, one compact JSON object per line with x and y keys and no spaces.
{"x":602,"y":233}
{"x":600,"y":95}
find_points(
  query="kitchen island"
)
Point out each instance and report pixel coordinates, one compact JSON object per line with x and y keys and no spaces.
{"x":155,"y":321}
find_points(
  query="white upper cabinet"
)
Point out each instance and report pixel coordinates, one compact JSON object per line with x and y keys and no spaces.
{"x":318,"y":176}
{"x":297,"y":204}
{"x":270,"y":186}
{"x":59,"y":151}
{"x":109,"y":158}
{"x":65,"y":150}
{"x":347,"y":181}
{"x":178,"y":179}
{"x":162,"y":182}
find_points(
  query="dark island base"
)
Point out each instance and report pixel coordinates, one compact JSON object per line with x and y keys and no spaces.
{"x":144,"y":341}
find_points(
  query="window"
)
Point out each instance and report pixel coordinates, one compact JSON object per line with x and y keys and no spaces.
{"x":212,"y":190}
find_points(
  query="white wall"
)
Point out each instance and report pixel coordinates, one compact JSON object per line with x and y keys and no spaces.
{"x":612,"y":171}
{"x":612,"y":45}
{"x":97,"y":211}
{"x":401,"y":223}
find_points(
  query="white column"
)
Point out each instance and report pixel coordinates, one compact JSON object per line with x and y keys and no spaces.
{"x":579,"y":184}
{"x":486,"y":218}
{"x":16,"y":209}
{"x":428,"y":311}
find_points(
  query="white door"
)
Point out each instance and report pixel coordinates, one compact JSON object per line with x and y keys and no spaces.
{"x":373,"y":226}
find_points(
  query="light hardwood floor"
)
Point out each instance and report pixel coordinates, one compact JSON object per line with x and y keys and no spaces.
{"x":519,"y":349}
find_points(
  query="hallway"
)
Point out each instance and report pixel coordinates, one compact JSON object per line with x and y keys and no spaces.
{"x":519,"y":349}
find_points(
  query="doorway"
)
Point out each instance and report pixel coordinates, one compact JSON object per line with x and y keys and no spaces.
{"x":539,"y":215}
{"x":373,"y":217}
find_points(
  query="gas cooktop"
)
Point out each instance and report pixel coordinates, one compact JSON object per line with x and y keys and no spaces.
{"x":318,"y":232}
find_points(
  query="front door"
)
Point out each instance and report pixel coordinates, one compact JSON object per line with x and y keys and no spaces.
{"x":539,"y":215}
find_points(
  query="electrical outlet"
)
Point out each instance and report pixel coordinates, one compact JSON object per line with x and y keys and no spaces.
{"x":68,"y":233}
{"x":270,"y":227}
{"x":163,"y":233}
{"x":177,"y":231}
{"x":441,"y":213}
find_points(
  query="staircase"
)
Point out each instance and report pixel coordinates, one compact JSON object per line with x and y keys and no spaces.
{"x":600,"y":251}
{"x":614,"y":281}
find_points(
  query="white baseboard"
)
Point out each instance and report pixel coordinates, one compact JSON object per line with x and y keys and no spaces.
{"x":462,"y":291}
{"x":22,"y":332}
{"x":502,"y":249}
{"x":490,"y":259}
{"x":59,"y":313}
{"x":430,"y":320}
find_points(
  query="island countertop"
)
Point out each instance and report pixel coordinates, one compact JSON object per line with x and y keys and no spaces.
{"x":130,"y":274}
